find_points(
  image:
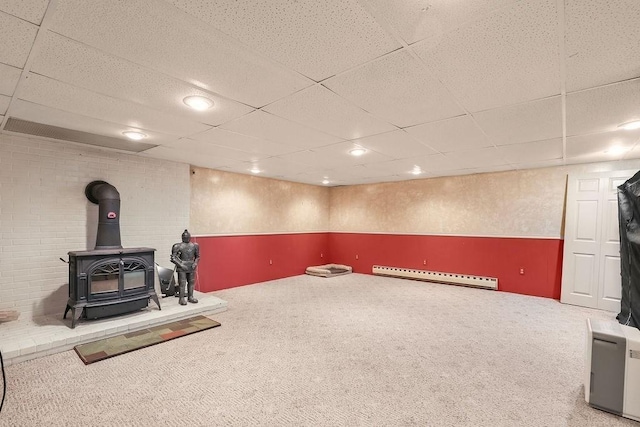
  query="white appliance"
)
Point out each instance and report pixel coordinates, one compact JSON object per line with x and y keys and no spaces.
{"x":612,"y":374}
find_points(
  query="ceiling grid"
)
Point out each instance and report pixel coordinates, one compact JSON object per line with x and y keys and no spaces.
{"x":427,"y":88}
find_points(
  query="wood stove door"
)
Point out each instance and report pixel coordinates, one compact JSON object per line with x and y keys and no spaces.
{"x":134,"y":276}
{"x":117,"y":278}
{"x":104,"y":281}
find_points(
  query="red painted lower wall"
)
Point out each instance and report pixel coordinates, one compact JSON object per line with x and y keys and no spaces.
{"x":481,"y":256}
{"x":230,"y":261}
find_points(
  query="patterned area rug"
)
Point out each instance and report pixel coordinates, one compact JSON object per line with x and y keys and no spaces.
{"x":114,"y":346}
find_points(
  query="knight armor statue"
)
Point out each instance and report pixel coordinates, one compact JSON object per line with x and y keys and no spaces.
{"x":185,"y":255}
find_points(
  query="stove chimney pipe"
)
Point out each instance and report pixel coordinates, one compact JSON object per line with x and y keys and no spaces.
{"x":107,"y":198}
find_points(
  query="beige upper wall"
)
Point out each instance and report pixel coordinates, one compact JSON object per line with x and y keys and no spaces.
{"x":527,"y":203}
{"x":231,"y":203}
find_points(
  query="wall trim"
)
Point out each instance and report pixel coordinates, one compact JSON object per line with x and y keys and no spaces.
{"x":270,"y":233}
{"x":448,"y":235}
{"x":274,"y":233}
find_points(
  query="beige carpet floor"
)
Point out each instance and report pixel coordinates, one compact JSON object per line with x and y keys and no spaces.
{"x":354,"y":350}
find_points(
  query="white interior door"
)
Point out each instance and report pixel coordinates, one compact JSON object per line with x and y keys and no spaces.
{"x":591,"y":261}
{"x":581,"y":249}
{"x":610,"y":282}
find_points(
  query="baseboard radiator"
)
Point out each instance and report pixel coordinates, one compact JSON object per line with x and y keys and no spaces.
{"x":437,"y":276}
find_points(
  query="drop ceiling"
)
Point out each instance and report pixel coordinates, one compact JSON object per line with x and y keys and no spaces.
{"x":439,"y":87}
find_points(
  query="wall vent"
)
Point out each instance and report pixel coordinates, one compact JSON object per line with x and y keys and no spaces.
{"x":437,"y":276}
{"x":64,"y":134}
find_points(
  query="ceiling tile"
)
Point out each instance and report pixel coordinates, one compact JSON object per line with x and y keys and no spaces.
{"x":318,"y":39}
{"x":531,"y":121}
{"x":160,"y":36}
{"x":319,"y":108}
{"x":396,"y":144}
{"x":77,"y":64}
{"x":334,"y":156}
{"x":393,"y":167}
{"x":401,"y":167}
{"x":29,"y":10}
{"x":397,"y":88}
{"x":337,"y":183}
{"x":261,"y":124}
{"x":532,"y":151}
{"x":602,"y":42}
{"x":477,"y":158}
{"x":604,"y":108}
{"x":4,"y":103}
{"x":172,"y":154}
{"x":370,"y":180}
{"x":473,"y":86}
{"x":215,"y":154}
{"x":510,"y":56}
{"x":416,"y":19}
{"x":61,"y":96}
{"x":315,"y":178}
{"x":601,"y":146}
{"x":16,"y":37}
{"x":242,"y":142}
{"x":355,"y":175}
{"x":240,"y":167}
{"x":456,"y":134}
{"x":9,"y":77}
{"x":276,"y":166}
{"x":49,"y":116}
{"x":352,"y":172}
{"x":486,"y":169}
{"x":634,"y":153}
{"x":397,"y":178}
{"x":595,"y":157}
{"x":349,"y":180}
{"x":436,"y":164}
{"x":542,"y":164}
{"x":189,"y":156}
{"x":456,"y":172}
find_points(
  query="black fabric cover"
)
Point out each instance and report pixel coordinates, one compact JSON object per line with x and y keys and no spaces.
{"x":629,"y":223}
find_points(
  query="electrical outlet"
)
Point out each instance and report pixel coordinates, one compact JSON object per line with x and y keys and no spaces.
{"x":321,"y":255}
{"x":270,"y":262}
{"x":522,"y":271}
{"x":356,"y":256}
{"x":424,"y":262}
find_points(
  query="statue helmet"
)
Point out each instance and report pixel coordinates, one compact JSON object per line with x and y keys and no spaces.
{"x":186,"y":236}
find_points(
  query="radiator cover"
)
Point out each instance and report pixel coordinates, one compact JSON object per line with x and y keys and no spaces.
{"x":437,"y":276}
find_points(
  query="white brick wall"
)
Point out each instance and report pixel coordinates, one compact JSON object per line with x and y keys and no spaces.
{"x":44,"y":213}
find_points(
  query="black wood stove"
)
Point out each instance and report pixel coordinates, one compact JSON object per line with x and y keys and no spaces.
{"x":109,"y":280}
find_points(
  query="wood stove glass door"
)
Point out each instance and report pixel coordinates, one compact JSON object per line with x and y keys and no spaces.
{"x":105,"y":281}
{"x":133,"y":279}
{"x":118,"y":278}
{"x":134,"y":276}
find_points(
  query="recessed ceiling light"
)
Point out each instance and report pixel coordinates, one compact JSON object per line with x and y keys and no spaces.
{"x":199,"y":103}
{"x":136,"y":136}
{"x":325,"y":181}
{"x":416,"y":170}
{"x":358,"y":151}
{"x":255,"y":170}
{"x":630,"y":125}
